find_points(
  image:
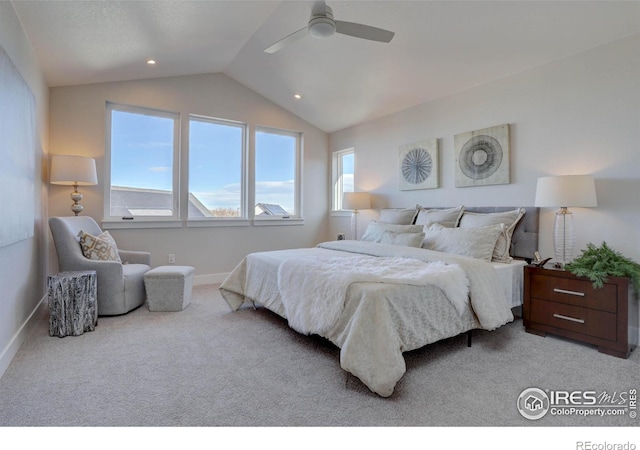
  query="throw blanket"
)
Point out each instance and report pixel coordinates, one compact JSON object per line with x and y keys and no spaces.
{"x":487,"y":297}
{"x":313,"y":292}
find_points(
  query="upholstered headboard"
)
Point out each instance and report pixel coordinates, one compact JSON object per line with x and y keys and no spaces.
{"x":525,"y":236}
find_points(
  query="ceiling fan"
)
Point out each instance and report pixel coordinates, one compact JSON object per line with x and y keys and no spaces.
{"x":322,"y":25}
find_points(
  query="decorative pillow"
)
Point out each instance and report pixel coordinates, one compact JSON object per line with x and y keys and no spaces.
{"x":474,"y":242}
{"x":406,"y":239}
{"x":398,"y":216}
{"x":102,"y":248}
{"x":376,"y":229}
{"x":448,"y":217}
{"x":509,"y":218}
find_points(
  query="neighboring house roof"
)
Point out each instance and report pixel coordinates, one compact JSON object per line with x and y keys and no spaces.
{"x":269,"y":209}
{"x":128,"y":201}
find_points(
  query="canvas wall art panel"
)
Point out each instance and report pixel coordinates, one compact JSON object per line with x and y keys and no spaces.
{"x":17,"y":154}
{"x":482,"y":157}
{"x":419,"y":165}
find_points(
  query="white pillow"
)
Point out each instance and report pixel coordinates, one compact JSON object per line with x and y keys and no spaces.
{"x":376,"y":229}
{"x":406,"y":239}
{"x":474,"y":242}
{"x":448,"y":217}
{"x":509,"y":218}
{"x":102,"y":248}
{"x":398,"y":216}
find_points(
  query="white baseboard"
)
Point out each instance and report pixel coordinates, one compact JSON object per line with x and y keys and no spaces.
{"x":16,"y":341}
{"x":213,"y":278}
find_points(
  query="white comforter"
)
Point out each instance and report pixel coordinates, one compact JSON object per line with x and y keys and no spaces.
{"x":378,"y":321}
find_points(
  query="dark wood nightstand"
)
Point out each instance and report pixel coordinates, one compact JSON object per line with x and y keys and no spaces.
{"x":560,"y":303}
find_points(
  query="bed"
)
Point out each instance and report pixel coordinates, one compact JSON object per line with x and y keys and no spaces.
{"x":376,"y":299}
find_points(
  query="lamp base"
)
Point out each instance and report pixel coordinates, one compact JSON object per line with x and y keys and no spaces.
{"x":564,"y":239}
{"x":354,"y":225}
{"x":76,"y":196}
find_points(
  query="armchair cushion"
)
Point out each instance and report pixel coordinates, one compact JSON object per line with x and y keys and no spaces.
{"x":102,"y":247}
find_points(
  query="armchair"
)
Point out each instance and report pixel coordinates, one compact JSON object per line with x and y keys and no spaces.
{"x":120,"y":285}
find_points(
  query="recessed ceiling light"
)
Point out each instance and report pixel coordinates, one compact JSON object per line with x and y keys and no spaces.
{"x":297,"y":96}
{"x":151,"y":62}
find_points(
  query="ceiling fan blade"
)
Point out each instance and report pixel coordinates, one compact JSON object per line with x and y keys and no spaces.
{"x":363,"y":31}
{"x":293,"y":37}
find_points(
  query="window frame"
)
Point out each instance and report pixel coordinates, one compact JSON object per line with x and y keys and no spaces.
{"x":337,"y":186}
{"x":173,"y":220}
{"x":222,"y":221}
{"x":298,"y":218}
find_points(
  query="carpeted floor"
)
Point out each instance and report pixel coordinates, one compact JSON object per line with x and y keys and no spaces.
{"x":208,"y":366}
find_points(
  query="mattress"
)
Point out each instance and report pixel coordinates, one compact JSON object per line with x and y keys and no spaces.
{"x":511,"y":277}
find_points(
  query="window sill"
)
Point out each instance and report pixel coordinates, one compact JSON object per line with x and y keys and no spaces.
{"x":139,"y":223}
{"x":205,"y":223}
{"x":341,"y":213}
{"x":280,"y":221}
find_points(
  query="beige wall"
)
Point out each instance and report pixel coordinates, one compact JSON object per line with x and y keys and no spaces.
{"x":22,"y":264}
{"x":574,"y":116}
{"x":78,"y":127}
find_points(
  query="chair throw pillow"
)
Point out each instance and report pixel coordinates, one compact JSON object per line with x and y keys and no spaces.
{"x":100,"y":248}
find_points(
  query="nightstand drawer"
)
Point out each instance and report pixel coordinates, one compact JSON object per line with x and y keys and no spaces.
{"x":575,"y":318}
{"x":574,"y":292}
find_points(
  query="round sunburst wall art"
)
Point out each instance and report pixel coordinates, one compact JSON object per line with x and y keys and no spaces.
{"x":416,"y":166}
{"x":482,"y":157}
{"x":419,"y":165}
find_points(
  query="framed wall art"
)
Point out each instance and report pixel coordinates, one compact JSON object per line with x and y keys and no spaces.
{"x":419,"y":165}
{"x":482,"y":157}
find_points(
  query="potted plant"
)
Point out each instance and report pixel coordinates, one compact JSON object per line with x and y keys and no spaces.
{"x":599,"y":263}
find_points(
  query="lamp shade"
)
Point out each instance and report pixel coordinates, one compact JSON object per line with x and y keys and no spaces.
{"x":356,"y":200}
{"x":73,"y":170}
{"x":566,"y":191}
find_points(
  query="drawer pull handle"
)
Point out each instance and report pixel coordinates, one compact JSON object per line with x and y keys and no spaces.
{"x":563,"y":291}
{"x":572,"y":319}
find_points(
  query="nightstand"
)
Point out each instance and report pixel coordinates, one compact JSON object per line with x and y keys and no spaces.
{"x":560,"y":303}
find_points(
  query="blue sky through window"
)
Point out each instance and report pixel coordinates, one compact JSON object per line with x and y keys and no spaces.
{"x":142,"y":157}
{"x":141,"y":151}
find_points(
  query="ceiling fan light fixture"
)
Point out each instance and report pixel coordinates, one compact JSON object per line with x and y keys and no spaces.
{"x":322,"y":27}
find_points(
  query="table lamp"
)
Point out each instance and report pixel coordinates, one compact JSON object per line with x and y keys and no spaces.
{"x":565,"y":191}
{"x":73,"y":171}
{"x":356,"y":201}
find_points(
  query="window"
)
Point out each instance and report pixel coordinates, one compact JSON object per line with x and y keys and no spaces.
{"x":143,"y":172}
{"x":343,"y":163}
{"x":141,"y":161}
{"x":217,"y":154}
{"x":277,"y":173}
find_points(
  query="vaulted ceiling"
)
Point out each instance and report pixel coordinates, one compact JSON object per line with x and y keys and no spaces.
{"x":439,"y":47}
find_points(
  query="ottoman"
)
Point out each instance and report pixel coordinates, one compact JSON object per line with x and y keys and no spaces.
{"x":169,"y":287}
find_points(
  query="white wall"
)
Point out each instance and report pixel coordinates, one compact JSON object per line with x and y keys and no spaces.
{"x":22,"y":265}
{"x":578,"y":115}
{"x":78,"y":127}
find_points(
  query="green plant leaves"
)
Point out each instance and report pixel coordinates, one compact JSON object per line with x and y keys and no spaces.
{"x":599,"y":263}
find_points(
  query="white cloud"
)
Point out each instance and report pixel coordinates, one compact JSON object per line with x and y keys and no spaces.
{"x":160,"y":169}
